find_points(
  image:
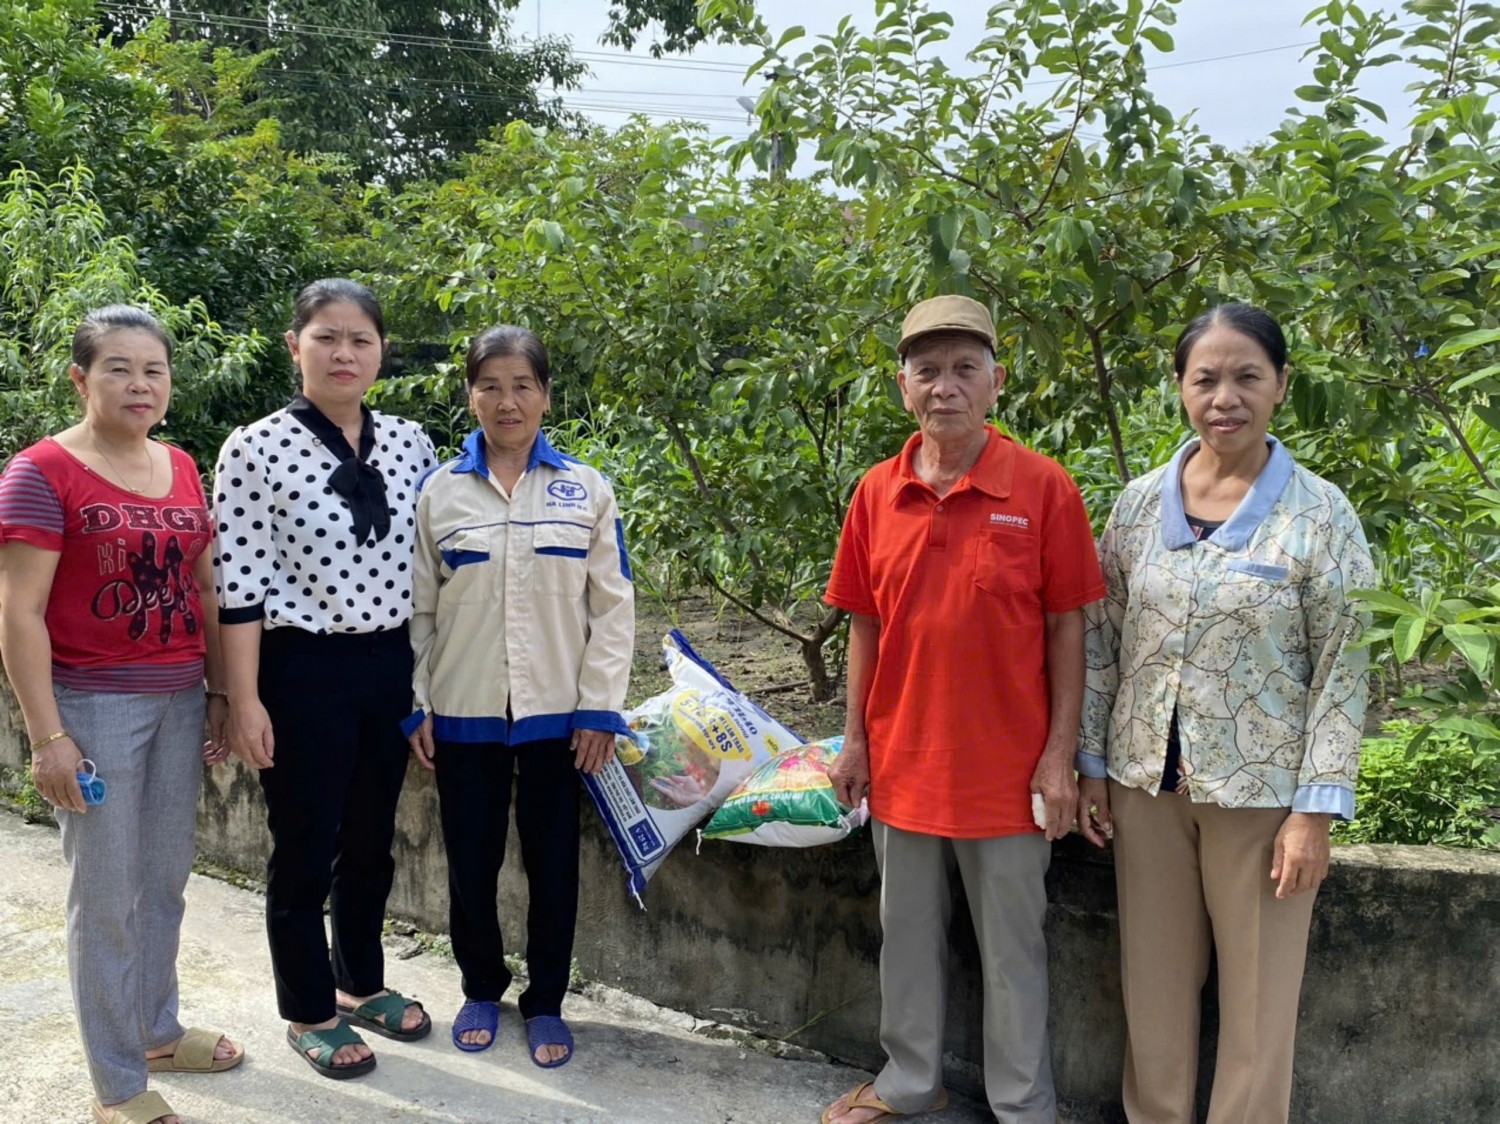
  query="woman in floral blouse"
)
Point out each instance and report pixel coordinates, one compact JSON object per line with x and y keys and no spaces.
{"x":1222,"y":726}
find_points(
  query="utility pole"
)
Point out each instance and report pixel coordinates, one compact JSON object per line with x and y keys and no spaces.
{"x":778,"y":161}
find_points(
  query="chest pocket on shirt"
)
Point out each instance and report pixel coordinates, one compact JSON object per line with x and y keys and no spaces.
{"x":1253,"y":592}
{"x":562,"y":558}
{"x":1263,"y":570}
{"x":1005,"y":564}
{"x":466,"y":560}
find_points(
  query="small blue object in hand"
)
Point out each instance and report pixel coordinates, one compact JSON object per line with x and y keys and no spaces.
{"x":90,"y":784}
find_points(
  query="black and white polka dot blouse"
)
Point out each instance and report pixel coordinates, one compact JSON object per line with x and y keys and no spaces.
{"x":285,"y":551}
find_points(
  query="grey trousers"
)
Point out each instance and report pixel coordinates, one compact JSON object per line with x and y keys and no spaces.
{"x":129,"y":860}
{"x":1003,"y":881}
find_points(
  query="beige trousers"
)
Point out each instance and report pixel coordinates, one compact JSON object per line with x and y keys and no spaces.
{"x":1194,"y":877}
{"x":1003,"y":880}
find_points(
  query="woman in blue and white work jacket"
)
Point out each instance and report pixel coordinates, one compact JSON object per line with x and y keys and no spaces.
{"x":1224,"y":706}
{"x":523,"y":629}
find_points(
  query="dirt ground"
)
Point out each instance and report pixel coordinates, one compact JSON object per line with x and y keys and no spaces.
{"x":760,"y":662}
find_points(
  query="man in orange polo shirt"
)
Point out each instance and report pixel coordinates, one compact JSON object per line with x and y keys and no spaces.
{"x":965,"y":563}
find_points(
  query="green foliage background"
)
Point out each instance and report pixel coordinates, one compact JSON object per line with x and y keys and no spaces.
{"x":724,"y":331}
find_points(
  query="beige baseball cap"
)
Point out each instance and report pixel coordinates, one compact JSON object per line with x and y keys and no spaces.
{"x":946,"y":314}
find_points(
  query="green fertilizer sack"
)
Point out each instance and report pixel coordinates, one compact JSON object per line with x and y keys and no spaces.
{"x":788,"y":802}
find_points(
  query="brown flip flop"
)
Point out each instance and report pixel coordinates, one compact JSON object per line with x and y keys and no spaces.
{"x":143,"y":1108}
{"x":863,"y":1096}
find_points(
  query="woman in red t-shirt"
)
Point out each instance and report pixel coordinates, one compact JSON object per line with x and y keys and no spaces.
{"x":103,"y":550}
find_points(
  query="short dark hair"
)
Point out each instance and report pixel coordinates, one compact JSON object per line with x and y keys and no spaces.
{"x":508,"y":339}
{"x":1246,"y":319}
{"x":108,"y":318}
{"x":330,"y":290}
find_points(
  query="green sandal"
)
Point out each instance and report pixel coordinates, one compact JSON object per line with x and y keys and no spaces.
{"x":324,"y":1044}
{"x":381,"y":1014}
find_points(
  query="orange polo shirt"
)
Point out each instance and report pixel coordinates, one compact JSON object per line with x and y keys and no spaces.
{"x":958,"y":709}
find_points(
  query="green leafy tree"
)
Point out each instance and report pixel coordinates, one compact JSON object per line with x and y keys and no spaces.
{"x":689,"y":312}
{"x":1386,"y":259}
{"x":397,"y":88}
{"x":1095,"y":223}
{"x":190,"y":185}
{"x":57,"y":261}
{"x":1082,"y":216}
{"x":672,"y":25}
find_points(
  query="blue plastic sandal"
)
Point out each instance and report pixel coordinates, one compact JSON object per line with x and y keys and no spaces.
{"x":549,"y":1030}
{"x":476,"y":1014}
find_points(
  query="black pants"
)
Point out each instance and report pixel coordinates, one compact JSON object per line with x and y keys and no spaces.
{"x":336,"y":703}
{"x":474,"y":784}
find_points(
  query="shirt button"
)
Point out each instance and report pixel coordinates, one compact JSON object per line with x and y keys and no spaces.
{"x":938,"y":508}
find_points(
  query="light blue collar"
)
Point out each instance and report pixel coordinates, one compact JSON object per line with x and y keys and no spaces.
{"x":1253,"y":509}
{"x":472,"y":457}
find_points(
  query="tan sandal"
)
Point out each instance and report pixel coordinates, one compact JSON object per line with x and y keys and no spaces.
{"x":195,"y":1054}
{"x":863,"y":1096}
{"x":143,"y":1108}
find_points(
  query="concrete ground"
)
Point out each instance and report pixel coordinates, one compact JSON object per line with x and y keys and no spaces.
{"x":634,"y":1063}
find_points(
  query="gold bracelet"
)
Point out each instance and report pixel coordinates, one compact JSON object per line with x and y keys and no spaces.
{"x":49,"y":739}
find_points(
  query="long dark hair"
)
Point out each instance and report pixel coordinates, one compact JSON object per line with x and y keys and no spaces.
{"x":507,"y":339}
{"x":1246,"y":319}
{"x":108,"y":318}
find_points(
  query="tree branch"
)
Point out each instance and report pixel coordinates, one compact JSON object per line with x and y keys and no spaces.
{"x":1445,"y":412}
{"x":1105,"y":379}
{"x":745,"y":607}
{"x":1078,"y":110}
{"x":727,"y":525}
{"x":1180,"y":267}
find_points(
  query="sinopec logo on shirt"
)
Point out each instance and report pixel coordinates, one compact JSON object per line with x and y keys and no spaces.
{"x":569,"y":491}
{"x":1014,"y":522}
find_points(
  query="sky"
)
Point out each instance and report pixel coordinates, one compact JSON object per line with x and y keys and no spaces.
{"x":1237,"y":99}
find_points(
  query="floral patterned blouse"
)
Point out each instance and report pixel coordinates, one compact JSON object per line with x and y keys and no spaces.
{"x":1247,"y":635}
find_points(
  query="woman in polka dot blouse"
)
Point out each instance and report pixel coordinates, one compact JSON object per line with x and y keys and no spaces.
{"x":315,"y":512}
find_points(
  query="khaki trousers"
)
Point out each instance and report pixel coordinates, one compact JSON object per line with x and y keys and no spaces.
{"x":1194,"y":877}
{"x":1003,"y":880}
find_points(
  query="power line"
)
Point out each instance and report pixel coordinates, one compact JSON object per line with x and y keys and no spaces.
{"x":659,"y":93}
{"x":316,"y":80}
{"x":488,"y":47}
{"x":1261,"y":51}
{"x":463,"y":90}
{"x":390,"y":38}
{"x":480,"y":46}
{"x":486,"y":90}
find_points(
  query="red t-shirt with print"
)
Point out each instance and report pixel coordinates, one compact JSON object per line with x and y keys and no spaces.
{"x":124,"y":614}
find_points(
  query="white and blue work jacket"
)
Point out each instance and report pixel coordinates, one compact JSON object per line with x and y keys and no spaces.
{"x":523,"y":622}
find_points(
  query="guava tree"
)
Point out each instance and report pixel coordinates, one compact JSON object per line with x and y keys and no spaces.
{"x":706,"y":328}
{"x":1032,"y":168}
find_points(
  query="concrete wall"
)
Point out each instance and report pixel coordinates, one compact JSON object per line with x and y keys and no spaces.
{"x":1400,"y":1018}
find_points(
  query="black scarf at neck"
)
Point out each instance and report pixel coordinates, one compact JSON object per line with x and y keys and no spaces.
{"x":355,"y":479}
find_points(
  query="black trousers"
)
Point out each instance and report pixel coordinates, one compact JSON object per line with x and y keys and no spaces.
{"x":336,"y":703}
{"x":474,"y":785}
